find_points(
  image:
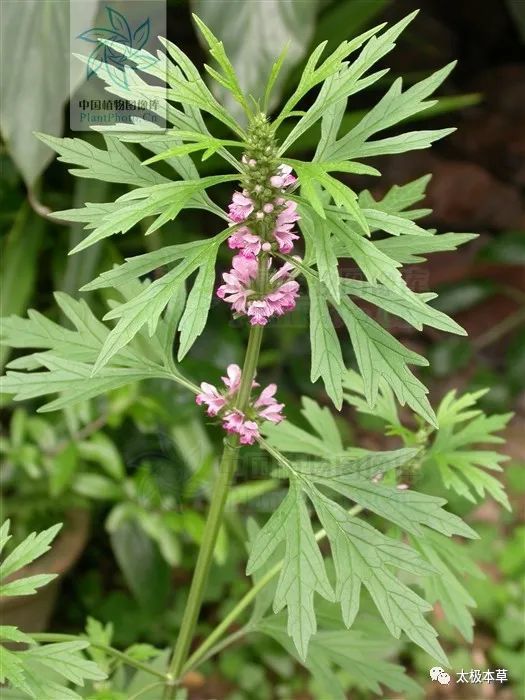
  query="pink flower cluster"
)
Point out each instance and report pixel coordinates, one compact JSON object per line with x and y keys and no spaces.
{"x":239,"y":290}
{"x":285,"y":212}
{"x":246,"y":424}
{"x":264,"y":230}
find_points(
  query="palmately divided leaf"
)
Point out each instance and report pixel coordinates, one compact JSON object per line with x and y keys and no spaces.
{"x":452,"y":563}
{"x":410,"y":306}
{"x":361,"y":556}
{"x":462,"y":465}
{"x":43,"y":671}
{"x":408,"y":509}
{"x":68,"y":355}
{"x":318,"y":237}
{"x":361,"y":653}
{"x":198,"y":304}
{"x":33,"y":547}
{"x":327,"y":359}
{"x":311,"y":173}
{"x":412,"y":251}
{"x":380,"y":355}
{"x":116,"y":164}
{"x":394,"y":107}
{"x":147,"y":307}
{"x":303,"y":571}
{"x":64,"y":658}
{"x":351,"y":79}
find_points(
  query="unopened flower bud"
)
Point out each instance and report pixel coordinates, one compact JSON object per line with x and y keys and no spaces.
{"x":266,"y":247}
{"x":268,"y":208}
{"x":259,"y":215}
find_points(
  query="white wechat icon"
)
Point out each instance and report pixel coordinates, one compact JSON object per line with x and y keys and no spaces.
{"x":439,"y":675}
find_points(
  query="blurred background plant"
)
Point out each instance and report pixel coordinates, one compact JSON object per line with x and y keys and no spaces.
{"x":138,"y":460}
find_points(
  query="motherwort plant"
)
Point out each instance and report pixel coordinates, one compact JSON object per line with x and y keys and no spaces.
{"x":289,"y":225}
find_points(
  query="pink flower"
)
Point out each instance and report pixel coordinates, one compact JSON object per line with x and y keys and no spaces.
{"x":249,"y":432}
{"x":284,"y":177}
{"x":233,"y":421}
{"x":267,"y":407}
{"x":211,"y":397}
{"x":248,"y":242}
{"x":233,"y":380}
{"x":266,"y":396}
{"x":241,"y":207}
{"x":283,"y":227}
{"x":236,"y":289}
{"x":273,"y":413}
{"x":283,"y":299}
{"x":245,"y":424}
{"x":259,"y":311}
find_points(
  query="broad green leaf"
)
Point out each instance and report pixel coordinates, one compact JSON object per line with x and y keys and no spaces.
{"x":64,"y":466}
{"x":29,"y":100}
{"x":101,"y":450}
{"x":145,"y":570}
{"x":19,"y":252}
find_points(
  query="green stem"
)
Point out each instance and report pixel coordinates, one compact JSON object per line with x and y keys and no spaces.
{"x":121,"y":656}
{"x":227,"y":467}
{"x":217,"y":633}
